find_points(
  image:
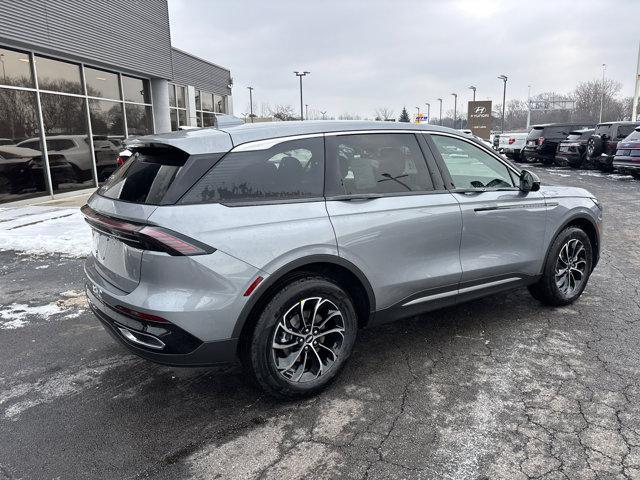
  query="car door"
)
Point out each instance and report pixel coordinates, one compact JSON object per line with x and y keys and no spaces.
{"x":391,"y":221}
{"x":503,"y":227}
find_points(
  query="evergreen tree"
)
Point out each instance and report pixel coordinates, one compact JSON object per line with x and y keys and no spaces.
{"x":404,"y":116}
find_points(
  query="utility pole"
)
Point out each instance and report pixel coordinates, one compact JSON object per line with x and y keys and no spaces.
{"x":440,"y":117}
{"x":455,"y":108}
{"x":250,"y":103}
{"x":417,"y":108}
{"x":504,"y":96}
{"x":634,"y":114}
{"x":604,"y":67}
{"x":300,"y":75}
{"x":529,"y":108}
{"x":428,"y":112}
{"x":474,"y":92}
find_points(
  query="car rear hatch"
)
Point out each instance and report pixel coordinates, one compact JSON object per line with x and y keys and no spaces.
{"x":630,"y":147}
{"x":534,"y":136}
{"x":571,"y":144}
{"x":118,"y":213}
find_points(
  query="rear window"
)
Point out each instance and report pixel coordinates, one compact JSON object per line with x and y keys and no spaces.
{"x":635,"y":135}
{"x":573,"y":136}
{"x":603,"y":129}
{"x":535,"y":133}
{"x":287,"y":171}
{"x":145,"y":177}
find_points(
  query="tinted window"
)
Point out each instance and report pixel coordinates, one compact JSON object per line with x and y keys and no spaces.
{"x":635,"y":135}
{"x":135,"y":90}
{"x":573,"y":136}
{"x":16,"y":68}
{"x":470,"y":167}
{"x":139,"y":119}
{"x":624,"y":130}
{"x":556,"y":132}
{"x":288,"y":170}
{"x":102,"y":84}
{"x":603,"y":130}
{"x":181,"y":96}
{"x":535,"y":133}
{"x":376,"y":163}
{"x":106,"y":117}
{"x":144,"y":178}
{"x":58,"y":76}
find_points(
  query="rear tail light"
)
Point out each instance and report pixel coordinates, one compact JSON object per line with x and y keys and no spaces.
{"x":121,"y":160}
{"x":512,"y":141}
{"x":145,"y":237}
{"x":540,"y":140}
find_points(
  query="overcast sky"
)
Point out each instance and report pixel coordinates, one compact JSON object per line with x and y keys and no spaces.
{"x":367,"y":54}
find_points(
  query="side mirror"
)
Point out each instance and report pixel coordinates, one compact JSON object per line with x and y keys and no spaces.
{"x":529,"y":181}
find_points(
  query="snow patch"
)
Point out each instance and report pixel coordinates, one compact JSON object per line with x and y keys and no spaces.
{"x":14,"y":316}
{"x":42,"y":267}
{"x":45,"y":230}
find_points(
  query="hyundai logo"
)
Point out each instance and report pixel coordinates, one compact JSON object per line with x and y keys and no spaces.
{"x":481,"y":109}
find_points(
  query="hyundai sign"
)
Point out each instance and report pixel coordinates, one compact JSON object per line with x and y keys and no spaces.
{"x":479,"y":118}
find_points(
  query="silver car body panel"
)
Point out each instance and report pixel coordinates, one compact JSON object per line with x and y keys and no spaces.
{"x":413,"y":250}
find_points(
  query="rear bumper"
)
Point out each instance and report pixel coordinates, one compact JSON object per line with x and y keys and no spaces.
{"x":567,"y":158}
{"x":193,"y":353}
{"x":627,"y":163}
{"x":533,"y":155}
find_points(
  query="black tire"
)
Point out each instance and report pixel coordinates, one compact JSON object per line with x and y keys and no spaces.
{"x":546,"y":290}
{"x":594,"y":146}
{"x":258,"y":355}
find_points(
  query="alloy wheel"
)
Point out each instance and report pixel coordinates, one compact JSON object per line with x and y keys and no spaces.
{"x":307,"y":340}
{"x":571,"y":267}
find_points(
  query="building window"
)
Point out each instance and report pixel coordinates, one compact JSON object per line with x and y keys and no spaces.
{"x":177,"y":106}
{"x":75,"y":101}
{"x":207,"y":104}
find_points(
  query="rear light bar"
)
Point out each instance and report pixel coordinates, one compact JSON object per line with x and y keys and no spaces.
{"x":512,"y":141}
{"x":145,"y":237}
{"x":140,"y":315}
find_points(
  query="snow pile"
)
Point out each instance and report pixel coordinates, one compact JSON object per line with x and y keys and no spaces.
{"x":45,"y":230}
{"x":15,"y":315}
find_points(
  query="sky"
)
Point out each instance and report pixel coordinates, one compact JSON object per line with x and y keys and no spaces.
{"x":368,"y":54}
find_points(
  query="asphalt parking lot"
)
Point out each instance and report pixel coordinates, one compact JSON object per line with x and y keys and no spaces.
{"x":497,"y":388}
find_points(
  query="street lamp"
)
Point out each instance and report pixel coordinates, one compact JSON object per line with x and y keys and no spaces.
{"x":455,"y":108}
{"x":323,"y":114}
{"x":440,"y":117}
{"x":474,"y":92}
{"x":604,"y":67}
{"x":504,"y":96}
{"x":306,"y":110}
{"x":301,"y":74}
{"x":428,"y":111}
{"x":250,"y":103}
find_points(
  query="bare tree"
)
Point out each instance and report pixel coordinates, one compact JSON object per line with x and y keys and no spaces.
{"x":384,"y":113}
{"x":282,"y":112}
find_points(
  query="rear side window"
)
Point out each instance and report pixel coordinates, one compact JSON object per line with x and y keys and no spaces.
{"x":624,"y":130}
{"x":376,"y":163}
{"x":535,"y":133}
{"x":145,"y":177}
{"x":287,"y":171}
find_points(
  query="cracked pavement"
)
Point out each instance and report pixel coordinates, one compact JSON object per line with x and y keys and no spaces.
{"x":501,"y":387}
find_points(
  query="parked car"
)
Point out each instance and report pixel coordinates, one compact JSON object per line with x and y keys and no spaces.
{"x":572,"y":151}
{"x":627,"y":158}
{"x":22,"y":169}
{"x":602,"y":146}
{"x":543,"y":140}
{"x":276,"y":243}
{"x":512,"y":143}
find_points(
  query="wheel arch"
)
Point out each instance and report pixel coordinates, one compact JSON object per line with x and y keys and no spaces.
{"x":345,"y":273}
{"x":585,"y":223}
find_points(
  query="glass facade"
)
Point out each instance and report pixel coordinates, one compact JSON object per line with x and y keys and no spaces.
{"x":84,"y":115}
{"x":207,"y":104}
{"x":178,"y":106}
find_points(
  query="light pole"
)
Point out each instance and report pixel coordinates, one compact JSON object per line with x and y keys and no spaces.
{"x":300,"y":75}
{"x":250,"y":103}
{"x":455,"y":108}
{"x":418,"y":109}
{"x":474,"y":92}
{"x":504,"y":96}
{"x":440,"y":117}
{"x":529,"y":107}
{"x":428,"y":111}
{"x":323,"y":114}
{"x":306,"y":111}
{"x":604,"y":67}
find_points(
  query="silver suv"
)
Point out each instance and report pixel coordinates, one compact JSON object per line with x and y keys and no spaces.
{"x":274,"y":243}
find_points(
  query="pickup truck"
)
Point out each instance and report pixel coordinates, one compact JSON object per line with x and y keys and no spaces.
{"x":512,"y":143}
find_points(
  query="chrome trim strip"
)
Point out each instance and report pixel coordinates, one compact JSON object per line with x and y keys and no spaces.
{"x":271,"y":142}
{"x":437,"y":296}
{"x":374,"y":131}
{"x":514,"y":206}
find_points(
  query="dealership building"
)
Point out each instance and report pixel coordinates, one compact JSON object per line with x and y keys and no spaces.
{"x":77,"y":78}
